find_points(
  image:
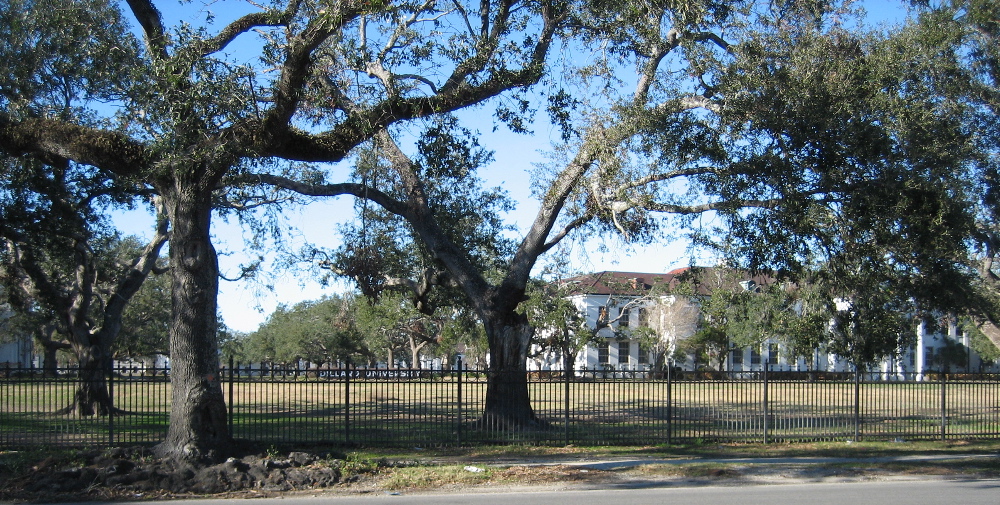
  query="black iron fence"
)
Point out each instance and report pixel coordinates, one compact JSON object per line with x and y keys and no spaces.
{"x":430,"y":408}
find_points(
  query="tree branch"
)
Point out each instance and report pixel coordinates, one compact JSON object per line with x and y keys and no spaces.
{"x":137,"y":273}
{"x":573,"y":225}
{"x":619,"y":207}
{"x":422,"y":219}
{"x":358,"y":190}
{"x":152,"y":26}
{"x":298,"y":60}
{"x":282,"y":140}
{"x":245,"y":24}
{"x":56,"y":143}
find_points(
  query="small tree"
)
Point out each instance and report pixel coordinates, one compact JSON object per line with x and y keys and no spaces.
{"x":559,"y":324}
{"x":321,"y":332}
{"x":708,"y":345}
{"x":671,"y":320}
{"x":392,"y":323}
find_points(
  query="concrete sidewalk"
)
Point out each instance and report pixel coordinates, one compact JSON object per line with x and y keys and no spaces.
{"x":624,"y":463}
{"x":617,"y":464}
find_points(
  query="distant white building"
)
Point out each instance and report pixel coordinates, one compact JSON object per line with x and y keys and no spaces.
{"x":617,"y":304}
{"x":16,"y":351}
{"x":613,"y":303}
{"x":17,"y":354}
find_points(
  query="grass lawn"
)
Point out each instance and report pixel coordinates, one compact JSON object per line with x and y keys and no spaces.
{"x":601,"y":412}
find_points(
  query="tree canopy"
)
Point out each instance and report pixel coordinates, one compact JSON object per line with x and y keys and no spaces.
{"x":322,"y":332}
{"x":805,"y":139}
{"x":195,"y":123}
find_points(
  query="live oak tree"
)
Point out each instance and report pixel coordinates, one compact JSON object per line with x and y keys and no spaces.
{"x":189,"y":117}
{"x":49,"y":213}
{"x":923,"y":244}
{"x":960,"y":38}
{"x":76,"y":280}
{"x":67,"y":269}
{"x":775,"y":119}
{"x":890,"y":241}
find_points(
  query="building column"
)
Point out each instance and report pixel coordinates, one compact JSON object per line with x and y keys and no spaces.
{"x":920,"y":366}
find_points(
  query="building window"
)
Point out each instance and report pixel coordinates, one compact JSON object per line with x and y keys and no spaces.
{"x":603,"y":352}
{"x":623,"y":319}
{"x":643,"y":316}
{"x":623,"y":352}
{"x":772,"y":354}
{"x":754,"y":356}
{"x":643,"y":356}
{"x":602,"y":316}
{"x":737,"y":356}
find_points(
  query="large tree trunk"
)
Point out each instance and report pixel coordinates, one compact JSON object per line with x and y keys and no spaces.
{"x":507,"y":403}
{"x":50,"y":361}
{"x":198,"y":422}
{"x":92,"y":395}
{"x":93,"y":354}
{"x":991,"y":330}
{"x":569,"y":361}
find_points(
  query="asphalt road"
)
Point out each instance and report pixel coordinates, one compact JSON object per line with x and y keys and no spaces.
{"x":905,"y":492}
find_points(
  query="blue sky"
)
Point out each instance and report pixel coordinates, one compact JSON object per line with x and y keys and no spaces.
{"x":244,"y":306}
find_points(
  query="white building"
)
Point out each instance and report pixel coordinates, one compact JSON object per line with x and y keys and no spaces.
{"x":613,"y":304}
{"x":623,"y":308}
{"x":17,"y":354}
{"x":16,"y":351}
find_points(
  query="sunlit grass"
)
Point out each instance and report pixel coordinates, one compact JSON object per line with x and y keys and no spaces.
{"x":601,"y":412}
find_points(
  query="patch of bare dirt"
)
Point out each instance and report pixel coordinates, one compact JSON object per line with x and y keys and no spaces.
{"x":132,"y":473}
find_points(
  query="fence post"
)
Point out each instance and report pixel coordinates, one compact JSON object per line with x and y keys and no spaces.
{"x":670,"y":405}
{"x":767,"y":413}
{"x":566,"y":372}
{"x":857,"y":403}
{"x":229,"y":399}
{"x":458,"y":416}
{"x":944,"y":406}
{"x":347,"y":403}
{"x":111,"y":402}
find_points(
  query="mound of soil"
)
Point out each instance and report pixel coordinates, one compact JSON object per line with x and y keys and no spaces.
{"x":133,"y":472}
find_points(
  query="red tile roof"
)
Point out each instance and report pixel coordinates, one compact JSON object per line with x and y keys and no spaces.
{"x":640,"y":283}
